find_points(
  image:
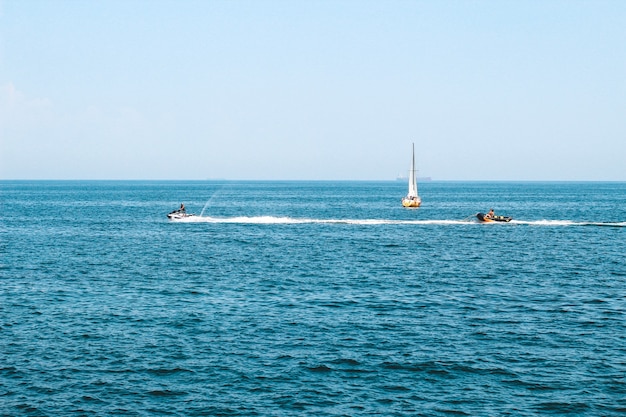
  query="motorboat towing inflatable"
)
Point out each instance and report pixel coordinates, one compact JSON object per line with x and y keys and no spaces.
{"x":482,"y":217}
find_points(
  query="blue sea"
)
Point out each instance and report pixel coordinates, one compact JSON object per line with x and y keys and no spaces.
{"x":312,"y":298}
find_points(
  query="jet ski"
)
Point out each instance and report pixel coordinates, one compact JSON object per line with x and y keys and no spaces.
{"x":179,"y":214}
{"x":482,"y":218}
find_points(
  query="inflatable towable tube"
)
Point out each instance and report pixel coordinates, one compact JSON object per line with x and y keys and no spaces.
{"x":482,"y":218}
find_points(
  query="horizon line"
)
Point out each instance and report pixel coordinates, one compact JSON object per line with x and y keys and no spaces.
{"x":397,"y":180}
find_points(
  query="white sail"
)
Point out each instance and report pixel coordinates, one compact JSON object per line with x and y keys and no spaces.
{"x":412,"y":177}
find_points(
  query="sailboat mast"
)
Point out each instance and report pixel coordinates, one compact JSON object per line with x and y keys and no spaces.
{"x":413,"y":160}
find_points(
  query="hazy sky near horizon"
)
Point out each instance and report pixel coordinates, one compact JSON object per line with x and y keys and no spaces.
{"x":487,"y":90}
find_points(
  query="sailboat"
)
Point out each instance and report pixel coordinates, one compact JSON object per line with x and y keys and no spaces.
{"x":412,"y":199}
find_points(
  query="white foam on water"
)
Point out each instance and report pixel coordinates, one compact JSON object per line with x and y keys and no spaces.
{"x":373,"y":222}
{"x":568,"y":223}
{"x":291,"y":220}
{"x":546,"y":222}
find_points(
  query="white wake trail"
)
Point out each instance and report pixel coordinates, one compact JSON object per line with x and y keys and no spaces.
{"x":291,"y":220}
{"x":373,"y":222}
{"x":567,"y":223}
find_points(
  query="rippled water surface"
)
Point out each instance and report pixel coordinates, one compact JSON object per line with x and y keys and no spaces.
{"x":312,"y":298}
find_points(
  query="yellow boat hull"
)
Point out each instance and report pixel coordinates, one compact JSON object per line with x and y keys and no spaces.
{"x":407,"y":202}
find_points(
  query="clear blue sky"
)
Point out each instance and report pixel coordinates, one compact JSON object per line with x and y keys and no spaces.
{"x":487,"y":90}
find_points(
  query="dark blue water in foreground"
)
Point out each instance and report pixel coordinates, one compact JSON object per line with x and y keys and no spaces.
{"x":312,"y":298}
